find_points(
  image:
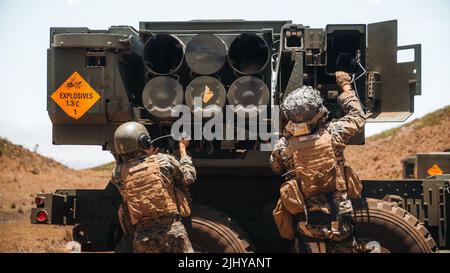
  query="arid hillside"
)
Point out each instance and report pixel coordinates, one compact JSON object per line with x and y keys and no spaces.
{"x":25,"y":173}
{"x":380,"y":157}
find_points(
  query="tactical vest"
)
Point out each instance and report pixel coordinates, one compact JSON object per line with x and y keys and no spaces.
{"x":146,"y":193}
{"x":315,"y":164}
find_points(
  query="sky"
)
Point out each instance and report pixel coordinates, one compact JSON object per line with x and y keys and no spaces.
{"x":24,"y":28}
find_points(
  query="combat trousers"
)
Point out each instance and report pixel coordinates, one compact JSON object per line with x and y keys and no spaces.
{"x":165,"y":234}
{"x":324,"y":209}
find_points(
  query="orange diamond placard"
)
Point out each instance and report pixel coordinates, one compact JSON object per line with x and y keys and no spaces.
{"x":435,"y":170}
{"x":75,"y":96}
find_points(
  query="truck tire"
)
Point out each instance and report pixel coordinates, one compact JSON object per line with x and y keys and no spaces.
{"x":209,"y":231}
{"x":125,"y":244}
{"x":394,"y":228}
{"x":214,"y":232}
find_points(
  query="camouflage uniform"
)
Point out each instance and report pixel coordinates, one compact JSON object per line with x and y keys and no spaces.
{"x":341,"y":131}
{"x":164,"y":233}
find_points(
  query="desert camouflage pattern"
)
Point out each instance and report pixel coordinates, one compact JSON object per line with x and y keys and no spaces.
{"x":153,"y":189}
{"x":338,"y":230}
{"x":320,"y":203}
{"x":145,"y":192}
{"x":315,"y":163}
{"x":341,"y":130}
{"x":162,"y":235}
{"x":302,"y":104}
{"x":181,"y":172}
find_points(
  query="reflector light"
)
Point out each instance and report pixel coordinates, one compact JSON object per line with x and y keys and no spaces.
{"x":41,"y":216}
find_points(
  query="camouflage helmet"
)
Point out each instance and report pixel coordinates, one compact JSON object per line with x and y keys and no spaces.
{"x":303,"y":104}
{"x":131,"y":137}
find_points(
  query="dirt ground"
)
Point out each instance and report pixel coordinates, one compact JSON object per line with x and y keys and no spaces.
{"x":25,"y":173}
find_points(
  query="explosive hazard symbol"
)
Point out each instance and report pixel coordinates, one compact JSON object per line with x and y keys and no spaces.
{"x":75,"y":96}
{"x":207,"y":96}
{"x":435,"y":170}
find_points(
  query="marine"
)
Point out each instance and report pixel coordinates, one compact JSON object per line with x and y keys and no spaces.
{"x":154,"y":189}
{"x":319,"y":183}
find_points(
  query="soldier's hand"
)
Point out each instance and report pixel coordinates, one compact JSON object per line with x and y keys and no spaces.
{"x":184,"y":143}
{"x":343,"y":80}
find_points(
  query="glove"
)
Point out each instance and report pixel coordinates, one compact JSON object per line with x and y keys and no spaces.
{"x":342,"y":79}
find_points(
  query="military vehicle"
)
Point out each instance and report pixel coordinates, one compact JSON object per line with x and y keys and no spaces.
{"x":424,"y":165}
{"x":124,"y":74}
{"x":424,"y":192}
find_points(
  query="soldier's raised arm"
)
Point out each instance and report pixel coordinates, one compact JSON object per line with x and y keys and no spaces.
{"x":276,"y":158}
{"x":183,"y":171}
{"x":353,"y":120}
